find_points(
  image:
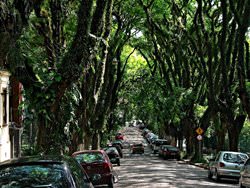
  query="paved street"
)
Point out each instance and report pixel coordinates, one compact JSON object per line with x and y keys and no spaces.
{"x":149,"y":171}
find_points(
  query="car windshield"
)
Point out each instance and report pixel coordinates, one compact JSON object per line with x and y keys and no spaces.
{"x":89,"y":157}
{"x":234,"y":157}
{"x":172,"y":148}
{"x":111,"y":150}
{"x":160,"y":142}
{"x":46,"y":175}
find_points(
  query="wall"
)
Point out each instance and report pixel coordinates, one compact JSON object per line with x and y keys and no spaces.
{"x":4,"y":116}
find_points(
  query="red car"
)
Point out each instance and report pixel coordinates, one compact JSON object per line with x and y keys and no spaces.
{"x":97,"y":165}
{"x":119,"y":136}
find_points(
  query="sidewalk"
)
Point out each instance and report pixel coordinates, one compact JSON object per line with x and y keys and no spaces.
{"x":187,"y":161}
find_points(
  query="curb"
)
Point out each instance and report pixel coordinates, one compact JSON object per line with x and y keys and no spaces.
{"x":201,"y":165}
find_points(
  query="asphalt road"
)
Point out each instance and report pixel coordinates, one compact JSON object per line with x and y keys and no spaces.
{"x":149,"y":171}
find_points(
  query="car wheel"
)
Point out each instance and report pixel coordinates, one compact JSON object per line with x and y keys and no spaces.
{"x":118,"y":163}
{"x":217,"y":177}
{"x":240,"y":183}
{"x":209,"y":174}
{"x":241,"y":186}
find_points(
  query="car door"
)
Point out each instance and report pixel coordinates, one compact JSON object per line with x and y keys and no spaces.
{"x":232,"y":162}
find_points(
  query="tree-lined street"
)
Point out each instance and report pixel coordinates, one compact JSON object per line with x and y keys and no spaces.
{"x":149,"y":171}
{"x":75,"y":73}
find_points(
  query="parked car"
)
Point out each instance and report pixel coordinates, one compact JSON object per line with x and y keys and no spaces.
{"x":119,"y":136}
{"x":119,"y":149}
{"x":244,"y":180}
{"x":43,"y":171}
{"x":155,"y":145}
{"x":153,"y":139}
{"x":97,"y":165}
{"x":144,"y":132}
{"x":141,"y":125}
{"x":137,"y":148}
{"x":113,"y":154}
{"x":117,"y":142}
{"x":169,"y":152}
{"x":227,"y":164}
{"x":150,"y":137}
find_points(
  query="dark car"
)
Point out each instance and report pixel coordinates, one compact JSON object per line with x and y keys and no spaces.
{"x":43,"y":171}
{"x":155,"y":145}
{"x":117,"y":142}
{"x":169,"y":152}
{"x":113,"y":154}
{"x":245,"y":175}
{"x":144,"y":132}
{"x":96,"y":164}
{"x":137,"y":148}
{"x":119,"y":149}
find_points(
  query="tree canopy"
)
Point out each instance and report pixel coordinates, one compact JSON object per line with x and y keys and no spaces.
{"x":85,"y":65}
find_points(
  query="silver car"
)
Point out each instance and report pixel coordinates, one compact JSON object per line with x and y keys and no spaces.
{"x":245,"y":175}
{"x":227,"y":164}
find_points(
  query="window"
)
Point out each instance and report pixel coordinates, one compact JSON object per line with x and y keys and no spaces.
{"x":35,"y":175}
{"x":79,"y":174}
{"x":4,"y":107}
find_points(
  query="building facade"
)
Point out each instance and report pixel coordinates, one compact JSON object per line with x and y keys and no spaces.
{"x":5,"y":145}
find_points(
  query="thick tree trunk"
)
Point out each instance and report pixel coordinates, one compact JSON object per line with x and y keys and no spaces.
{"x":198,"y":145}
{"x":220,"y":135}
{"x":41,"y":134}
{"x":234,"y":130}
{"x":188,"y":133}
{"x":87,"y":141}
{"x":74,"y":143}
{"x":233,"y":139}
{"x":96,"y":140}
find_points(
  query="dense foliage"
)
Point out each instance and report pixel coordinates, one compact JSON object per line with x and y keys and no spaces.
{"x":87,"y":67}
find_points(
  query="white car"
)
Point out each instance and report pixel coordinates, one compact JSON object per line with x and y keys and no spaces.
{"x":227,"y":164}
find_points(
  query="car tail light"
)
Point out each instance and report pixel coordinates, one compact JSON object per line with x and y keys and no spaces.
{"x":221,"y":164}
{"x":105,"y":165}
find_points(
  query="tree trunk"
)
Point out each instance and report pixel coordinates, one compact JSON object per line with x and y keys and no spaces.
{"x":74,"y":143}
{"x":188,"y":132}
{"x":87,"y":140}
{"x":198,"y":145}
{"x":220,"y":135}
{"x":96,"y":140}
{"x":233,"y":139}
{"x":234,"y":130}
{"x":41,"y":134}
